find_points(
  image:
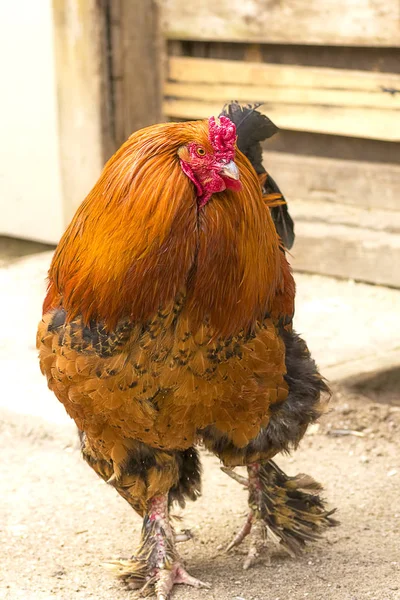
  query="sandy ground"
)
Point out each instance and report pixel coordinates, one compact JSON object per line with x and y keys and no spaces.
{"x":59,"y":522}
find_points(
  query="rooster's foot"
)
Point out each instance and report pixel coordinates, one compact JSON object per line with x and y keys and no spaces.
{"x":156,"y":567}
{"x":288,"y":510}
{"x":164,"y":580}
{"x":159,"y":580}
{"x":257,"y":532}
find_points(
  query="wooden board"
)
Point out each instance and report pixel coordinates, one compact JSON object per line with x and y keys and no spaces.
{"x":285,"y":95}
{"x":348,"y":182}
{"x":321,"y":100}
{"x":201,"y":70}
{"x":347,"y":121}
{"x":334,"y":146}
{"x":332,"y":22}
{"x":346,"y":214}
{"x":348,"y":252}
{"x":79,"y":66}
{"x":375,"y":219}
{"x":137,"y":55}
{"x":371,"y":58}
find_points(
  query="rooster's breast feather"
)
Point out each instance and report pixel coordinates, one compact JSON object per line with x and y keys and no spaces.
{"x":160,"y":321}
{"x":161,"y":384}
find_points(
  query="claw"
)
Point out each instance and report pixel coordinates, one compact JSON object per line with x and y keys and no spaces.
{"x":166,"y":579}
{"x":238,"y":539}
{"x":113,"y":479}
{"x":250,"y":559}
{"x":184,"y":577}
{"x":183,"y":536}
{"x":257,"y":544}
{"x":239,"y":478}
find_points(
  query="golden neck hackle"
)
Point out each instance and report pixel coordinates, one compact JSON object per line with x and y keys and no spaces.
{"x":138,"y":239}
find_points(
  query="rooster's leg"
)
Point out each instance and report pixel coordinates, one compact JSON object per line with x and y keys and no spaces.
{"x":156,"y":565}
{"x":286,"y":509}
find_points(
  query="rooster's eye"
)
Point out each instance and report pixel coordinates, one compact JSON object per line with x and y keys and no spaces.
{"x":201,"y":151}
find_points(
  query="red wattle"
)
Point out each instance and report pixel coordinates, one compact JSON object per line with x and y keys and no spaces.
{"x":232,"y":184}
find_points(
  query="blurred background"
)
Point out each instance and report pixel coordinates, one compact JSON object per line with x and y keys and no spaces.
{"x":79,"y":76}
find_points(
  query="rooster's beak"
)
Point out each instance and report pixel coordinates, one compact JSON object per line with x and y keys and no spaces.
{"x":230,"y":170}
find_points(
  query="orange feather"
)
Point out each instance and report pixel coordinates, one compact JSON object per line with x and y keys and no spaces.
{"x":138,"y":239}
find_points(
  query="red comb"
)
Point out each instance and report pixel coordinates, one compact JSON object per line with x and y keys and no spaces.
{"x":222,"y":135}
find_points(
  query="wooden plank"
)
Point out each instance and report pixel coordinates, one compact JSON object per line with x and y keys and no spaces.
{"x":200,"y":70}
{"x":347,"y":121}
{"x":348,"y":182}
{"x":347,"y":252}
{"x":107,"y":92}
{"x":320,"y":100}
{"x":116,"y":60}
{"x":332,"y":22}
{"x":376,"y":58}
{"x":376,"y":219}
{"x":346,"y":214}
{"x":78,"y":39}
{"x":334,"y":146}
{"x":284,"y":95}
{"x":139,"y":46}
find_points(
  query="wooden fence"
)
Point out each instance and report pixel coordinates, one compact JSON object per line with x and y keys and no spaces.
{"x":328,"y":74}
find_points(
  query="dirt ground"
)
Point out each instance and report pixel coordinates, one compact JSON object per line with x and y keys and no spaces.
{"x":60,"y":522}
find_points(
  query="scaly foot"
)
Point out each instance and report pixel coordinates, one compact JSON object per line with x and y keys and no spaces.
{"x":156,"y":567}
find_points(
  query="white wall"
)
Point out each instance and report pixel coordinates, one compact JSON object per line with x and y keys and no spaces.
{"x":30,"y":182}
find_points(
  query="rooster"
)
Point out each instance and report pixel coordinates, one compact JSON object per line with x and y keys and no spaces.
{"x":167,"y":323}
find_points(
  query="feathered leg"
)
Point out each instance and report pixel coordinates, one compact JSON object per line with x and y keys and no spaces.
{"x":156,"y":566}
{"x":286,"y":509}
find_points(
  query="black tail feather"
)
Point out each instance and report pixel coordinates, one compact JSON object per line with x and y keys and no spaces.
{"x":253,"y":128}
